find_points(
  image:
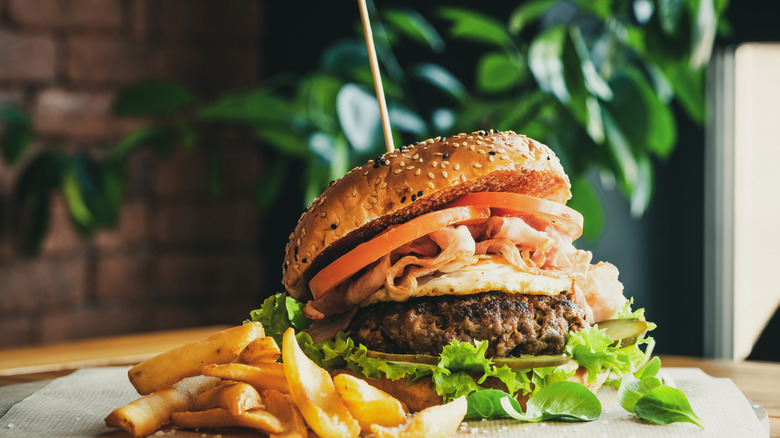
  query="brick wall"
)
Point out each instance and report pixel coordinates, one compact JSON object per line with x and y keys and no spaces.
{"x":179,"y":257}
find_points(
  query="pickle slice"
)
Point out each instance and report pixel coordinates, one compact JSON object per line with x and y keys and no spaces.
{"x":515,"y":363}
{"x":526,"y":362}
{"x":413,"y":359}
{"x":625,"y":330}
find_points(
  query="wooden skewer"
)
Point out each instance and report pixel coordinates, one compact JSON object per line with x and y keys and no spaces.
{"x":380,"y":92}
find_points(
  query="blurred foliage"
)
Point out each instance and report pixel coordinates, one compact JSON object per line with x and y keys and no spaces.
{"x":594,"y":80}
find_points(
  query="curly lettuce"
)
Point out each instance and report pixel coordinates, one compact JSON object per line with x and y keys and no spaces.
{"x":462,"y":367}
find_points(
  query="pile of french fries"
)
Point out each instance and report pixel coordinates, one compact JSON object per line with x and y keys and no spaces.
{"x":234,"y":378}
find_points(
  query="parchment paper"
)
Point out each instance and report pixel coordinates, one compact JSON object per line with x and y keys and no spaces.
{"x":75,"y":406}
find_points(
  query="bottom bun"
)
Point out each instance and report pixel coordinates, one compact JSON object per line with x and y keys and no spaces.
{"x":421,"y":393}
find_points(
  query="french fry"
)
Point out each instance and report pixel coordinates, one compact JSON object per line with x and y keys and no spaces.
{"x":236,"y":397}
{"x":145,"y":415}
{"x":261,"y":376}
{"x":313,"y":392}
{"x":165,"y":369}
{"x":439,"y":421}
{"x":367,"y":404}
{"x":220,"y":417}
{"x":259,"y":351}
{"x":285,"y":410}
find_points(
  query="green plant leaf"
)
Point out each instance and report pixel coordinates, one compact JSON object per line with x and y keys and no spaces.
{"x":670,"y":13}
{"x":585,"y":200}
{"x":286,"y":141}
{"x":705,"y":27}
{"x":632,"y":389}
{"x":595,"y":84}
{"x":560,"y":400}
{"x":270,"y":184}
{"x":152,"y":97}
{"x":32,"y":194}
{"x":688,"y":87}
{"x":358,"y":113}
{"x":406,"y":120}
{"x":643,"y":191}
{"x":650,"y":369}
{"x":620,"y":148}
{"x":344,"y":57}
{"x":258,"y":106}
{"x":412,"y":24}
{"x":486,"y":403}
{"x":16,"y":132}
{"x":497,"y":72}
{"x":441,"y":78}
{"x":666,"y":405}
{"x":527,"y":13}
{"x":545,"y":59}
{"x":475,"y":26}
{"x":155,"y":137}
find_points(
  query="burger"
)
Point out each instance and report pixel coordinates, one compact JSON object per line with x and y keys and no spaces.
{"x":447,"y":266}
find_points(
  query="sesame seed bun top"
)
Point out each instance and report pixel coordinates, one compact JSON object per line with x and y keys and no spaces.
{"x":410,"y":181}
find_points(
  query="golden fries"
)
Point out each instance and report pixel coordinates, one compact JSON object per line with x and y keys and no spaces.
{"x":219,"y":417}
{"x":312,"y":390}
{"x":147,"y":414}
{"x":165,"y":369}
{"x":435,"y":422}
{"x":237,"y":398}
{"x":261,"y":375}
{"x":367,"y":404}
{"x":259,"y":351}
{"x":243,"y":385}
{"x":285,"y":410}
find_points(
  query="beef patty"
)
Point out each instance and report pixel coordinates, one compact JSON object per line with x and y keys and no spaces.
{"x":513,"y":324}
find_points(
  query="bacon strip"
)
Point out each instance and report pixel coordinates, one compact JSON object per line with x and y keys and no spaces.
{"x":457,"y":250}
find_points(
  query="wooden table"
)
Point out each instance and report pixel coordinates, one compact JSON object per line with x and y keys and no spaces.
{"x":759,"y":381}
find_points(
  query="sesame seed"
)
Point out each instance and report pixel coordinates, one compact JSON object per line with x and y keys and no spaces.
{"x":418,"y":171}
{"x":435,"y":163}
{"x":322,"y":214}
{"x":354,"y":192}
{"x":490,"y":158}
{"x":455,"y":145}
{"x":492,"y":152}
{"x":366,"y":172}
{"x":457,"y":166}
{"x":446,"y":155}
{"x":482,"y":152}
{"x":333,"y":226}
{"x":419,"y":194}
{"x":415,"y":156}
{"x":444,"y":174}
{"x":373,"y":193}
{"x":414,"y":198}
{"x":430,"y":175}
{"x":463,"y":177}
{"x":397,"y":171}
{"x":438,"y":154}
{"x":472,"y":148}
{"x":477,"y":165}
{"x":421,"y":160}
{"x":299,"y":244}
{"x":409,"y":167}
{"x":430,"y":184}
{"x":374,"y":200}
{"x":368,"y":206}
{"x":383,"y":185}
{"x":403,"y":199}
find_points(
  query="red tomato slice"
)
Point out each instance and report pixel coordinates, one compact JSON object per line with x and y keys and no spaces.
{"x":505,"y":204}
{"x":374,"y":249}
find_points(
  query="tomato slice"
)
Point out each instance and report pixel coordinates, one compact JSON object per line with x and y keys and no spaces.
{"x":374,"y":249}
{"x":562,"y":217}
